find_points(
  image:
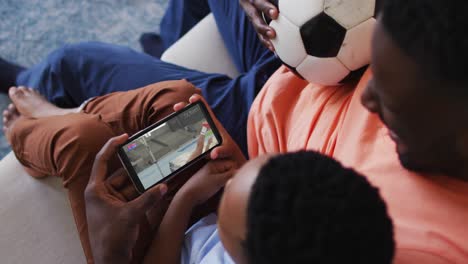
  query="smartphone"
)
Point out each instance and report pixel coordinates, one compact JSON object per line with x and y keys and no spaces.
{"x":164,"y":149}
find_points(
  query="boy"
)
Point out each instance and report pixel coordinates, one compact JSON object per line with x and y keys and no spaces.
{"x":293,"y":208}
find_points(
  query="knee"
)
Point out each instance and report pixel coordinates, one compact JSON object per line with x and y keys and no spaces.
{"x":61,"y":54}
{"x":172,"y":92}
{"x":80,"y":139}
{"x":162,"y":97}
{"x":88,"y":132}
{"x":182,"y":92}
{"x":67,"y":55}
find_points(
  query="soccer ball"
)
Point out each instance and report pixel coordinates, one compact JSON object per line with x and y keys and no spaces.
{"x":324,"y":41}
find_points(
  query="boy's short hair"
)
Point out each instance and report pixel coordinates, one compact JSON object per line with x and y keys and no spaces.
{"x":307,"y":208}
{"x":433,"y":33}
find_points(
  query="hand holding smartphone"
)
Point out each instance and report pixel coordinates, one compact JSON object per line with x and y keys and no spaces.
{"x":164,"y":149}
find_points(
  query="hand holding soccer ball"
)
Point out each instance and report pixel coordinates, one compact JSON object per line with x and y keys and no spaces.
{"x":323,"y":41}
{"x":254,"y":10}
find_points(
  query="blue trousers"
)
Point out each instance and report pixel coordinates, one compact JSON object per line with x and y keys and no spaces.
{"x":74,"y":73}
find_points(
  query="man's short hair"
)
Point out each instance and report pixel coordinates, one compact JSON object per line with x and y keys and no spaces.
{"x":433,"y":33}
{"x":307,"y":208}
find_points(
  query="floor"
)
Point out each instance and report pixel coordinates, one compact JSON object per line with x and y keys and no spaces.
{"x":30,"y":29}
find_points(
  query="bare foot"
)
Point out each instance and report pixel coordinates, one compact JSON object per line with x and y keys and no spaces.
{"x":10,"y":116}
{"x":30,"y":103}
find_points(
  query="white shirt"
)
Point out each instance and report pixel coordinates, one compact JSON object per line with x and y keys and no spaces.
{"x":203,"y":245}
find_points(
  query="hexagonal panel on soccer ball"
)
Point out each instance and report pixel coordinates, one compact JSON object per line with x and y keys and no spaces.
{"x":322,"y":36}
{"x":356,"y":49}
{"x":288,"y":42}
{"x":323,"y":71}
{"x":350,"y":13}
{"x":300,"y":11}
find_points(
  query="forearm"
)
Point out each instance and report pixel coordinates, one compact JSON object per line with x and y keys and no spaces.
{"x":167,"y":244}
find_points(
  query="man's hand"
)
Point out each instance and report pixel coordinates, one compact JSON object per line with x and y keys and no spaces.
{"x":113,"y":223}
{"x":229,"y":149}
{"x":253,"y":9}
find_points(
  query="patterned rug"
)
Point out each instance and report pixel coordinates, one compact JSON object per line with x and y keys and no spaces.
{"x":30,"y":29}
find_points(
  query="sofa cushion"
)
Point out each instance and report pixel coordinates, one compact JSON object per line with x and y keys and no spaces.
{"x":37,"y":225}
{"x":202,"y":48}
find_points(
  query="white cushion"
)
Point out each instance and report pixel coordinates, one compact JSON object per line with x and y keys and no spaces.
{"x":37,"y":225}
{"x":202,"y":48}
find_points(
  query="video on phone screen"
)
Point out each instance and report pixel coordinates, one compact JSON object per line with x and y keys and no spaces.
{"x":158,"y":153}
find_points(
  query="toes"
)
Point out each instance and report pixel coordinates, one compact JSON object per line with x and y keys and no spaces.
{"x":22,"y":90}
{"x":6,"y":118}
{"x":6,"y":113}
{"x":10,"y":113}
{"x":9,"y":116}
{"x":26,"y":89}
{"x":12,"y":108}
{"x":5,"y":121}
{"x":17,"y":92}
{"x":35,"y":91}
{"x":12,"y":91}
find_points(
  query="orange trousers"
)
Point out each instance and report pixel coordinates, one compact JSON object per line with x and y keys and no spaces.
{"x":65,"y":146}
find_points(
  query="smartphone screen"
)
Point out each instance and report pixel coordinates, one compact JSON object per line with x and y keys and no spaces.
{"x":165,"y":148}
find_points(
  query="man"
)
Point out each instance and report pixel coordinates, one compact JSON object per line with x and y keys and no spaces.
{"x":417,"y":96}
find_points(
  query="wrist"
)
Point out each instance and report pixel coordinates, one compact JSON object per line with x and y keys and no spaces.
{"x":186,"y":198}
{"x":104,"y":251}
{"x":110,"y":258}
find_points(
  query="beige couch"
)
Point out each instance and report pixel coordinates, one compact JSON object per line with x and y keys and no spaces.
{"x":37,"y":225}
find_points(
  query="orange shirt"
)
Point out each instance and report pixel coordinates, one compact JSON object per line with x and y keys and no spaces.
{"x":430,"y":213}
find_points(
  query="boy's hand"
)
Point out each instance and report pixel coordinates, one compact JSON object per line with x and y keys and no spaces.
{"x":113,"y":223}
{"x":229,"y":149}
{"x":207,"y":181}
{"x":253,"y":9}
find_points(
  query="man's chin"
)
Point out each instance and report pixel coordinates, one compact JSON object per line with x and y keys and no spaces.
{"x":412,"y":165}
{"x":405,"y":161}
{"x":421,"y":163}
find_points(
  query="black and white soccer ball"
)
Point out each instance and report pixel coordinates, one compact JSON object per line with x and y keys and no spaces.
{"x":325,"y":41}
